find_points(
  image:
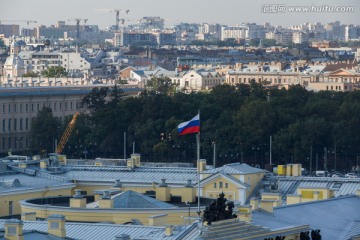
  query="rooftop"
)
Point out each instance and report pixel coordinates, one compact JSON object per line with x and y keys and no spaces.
{"x":235,"y":168}
{"x":342,"y":217}
{"x":95,"y":231}
{"x":131,"y":199}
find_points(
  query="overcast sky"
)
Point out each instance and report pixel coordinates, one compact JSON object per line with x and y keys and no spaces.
{"x":229,"y":12}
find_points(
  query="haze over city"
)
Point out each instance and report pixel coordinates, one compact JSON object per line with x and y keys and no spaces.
{"x":228,"y":12}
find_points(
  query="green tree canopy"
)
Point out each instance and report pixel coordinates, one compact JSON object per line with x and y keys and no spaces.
{"x":54,"y":71}
{"x":44,"y":129}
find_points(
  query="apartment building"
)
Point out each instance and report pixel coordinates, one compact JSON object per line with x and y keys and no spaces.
{"x":18,"y":106}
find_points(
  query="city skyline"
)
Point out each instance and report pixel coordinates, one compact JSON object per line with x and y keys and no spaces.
{"x":228,"y":13}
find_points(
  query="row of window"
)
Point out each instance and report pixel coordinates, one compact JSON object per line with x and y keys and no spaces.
{"x":20,"y":107}
{"x":14,"y":143}
{"x":12,"y":124}
{"x":240,"y":80}
{"x":221,"y":185}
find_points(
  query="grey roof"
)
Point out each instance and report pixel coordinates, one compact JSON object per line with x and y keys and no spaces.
{"x":335,"y":217}
{"x":137,"y":175}
{"x":235,"y":168}
{"x":235,"y":229}
{"x":95,"y":231}
{"x":131,"y":199}
{"x":28,"y":182}
{"x":339,"y":186}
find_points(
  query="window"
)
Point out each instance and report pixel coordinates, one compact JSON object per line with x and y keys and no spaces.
{"x":3,"y":125}
{"x":71,"y":105}
{"x":21,"y":124}
{"x":21,"y":107}
{"x":9,"y":142}
{"x":220,"y":184}
{"x":27,"y":124}
{"x":226,"y":185}
{"x":15,"y":124}
{"x":54,"y":106}
{"x":3,"y":108}
{"x":15,"y":142}
{"x":9,"y":125}
{"x":214,"y":184}
{"x":9,"y":108}
{"x":14,"y":107}
{"x":32,"y":107}
{"x":3,"y":142}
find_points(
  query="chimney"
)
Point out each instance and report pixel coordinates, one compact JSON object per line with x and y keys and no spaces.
{"x":43,"y":164}
{"x":56,"y":225}
{"x":14,"y":229}
{"x":106,"y":201}
{"x":136,"y":159}
{"x":201,"y":165}
{"x":245,"y":213}
{"x":78,"y":201}
{"x":168,"y":230}
{"x":130,"y":163}
{"x":254,"y":203}
{"x":163,"y":191}
{"x":188,"y":193}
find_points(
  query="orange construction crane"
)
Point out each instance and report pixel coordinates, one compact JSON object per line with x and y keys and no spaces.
{"x":67,"y":133}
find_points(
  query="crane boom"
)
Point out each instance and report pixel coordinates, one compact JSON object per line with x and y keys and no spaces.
{"x":67,"y":133}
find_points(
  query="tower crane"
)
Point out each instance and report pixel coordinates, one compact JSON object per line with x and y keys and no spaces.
{"x":27,"y":21}
{"x":67,"y":133}
{"x":117,"y":11}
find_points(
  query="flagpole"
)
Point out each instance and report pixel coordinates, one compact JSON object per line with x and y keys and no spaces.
{"x":198,"y":168}
{"x":198,"y":164}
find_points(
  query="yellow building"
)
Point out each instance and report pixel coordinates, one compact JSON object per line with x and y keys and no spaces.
{"x":238,"y":182}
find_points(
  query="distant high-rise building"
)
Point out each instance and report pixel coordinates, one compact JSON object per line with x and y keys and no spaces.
{"x":10,"y":30}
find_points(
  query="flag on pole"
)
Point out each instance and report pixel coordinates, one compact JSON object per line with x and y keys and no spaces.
{"x":192,"y":126}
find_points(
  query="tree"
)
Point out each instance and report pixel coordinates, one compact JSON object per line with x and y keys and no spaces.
{"x":44,"y":129}
{"x":31,"y":74}
{"x":161,"y":85}
{"x":54,"y":72}
{"x":254,"y":42}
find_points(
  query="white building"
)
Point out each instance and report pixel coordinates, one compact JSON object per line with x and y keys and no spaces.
{"x":195,"y":81}
{"x":300,"y":37}
{"x":239,"y":32}
{"x":14,"y":65}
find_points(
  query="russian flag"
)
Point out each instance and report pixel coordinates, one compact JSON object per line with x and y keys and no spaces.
{"x":192,"y":126}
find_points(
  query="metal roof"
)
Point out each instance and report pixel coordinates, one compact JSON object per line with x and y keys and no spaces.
{"x":28,"y":182}
{"x":339,"y":186}
{"x":137,"y":175}
{"x":95,"y":231}
{"x":131,"y":199}
{"x":235,"y":168}
{"x":335,"y":217}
